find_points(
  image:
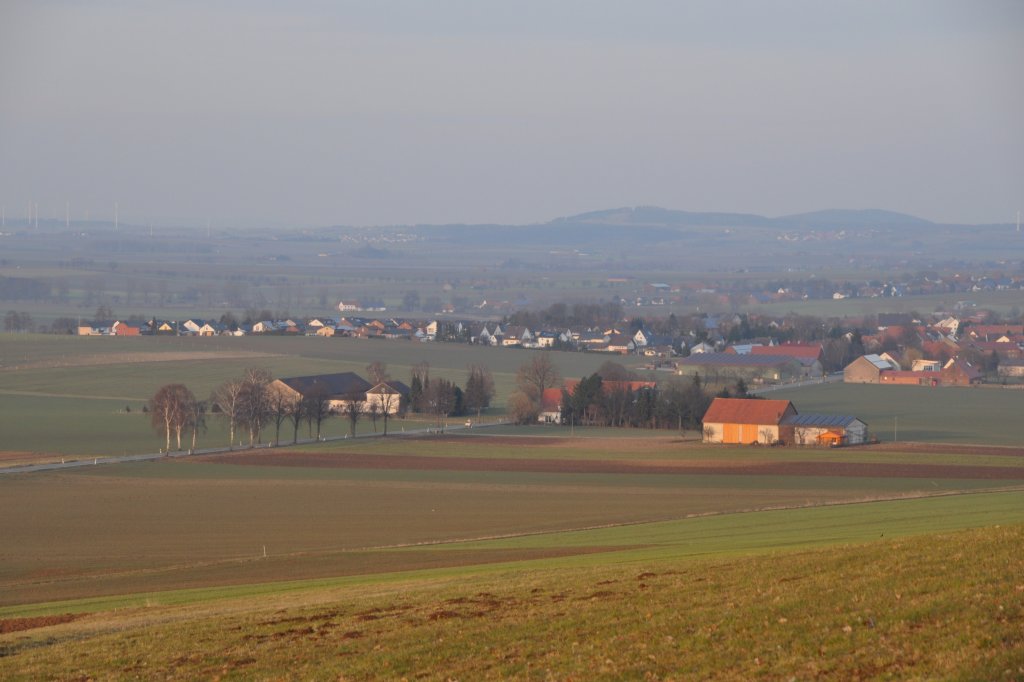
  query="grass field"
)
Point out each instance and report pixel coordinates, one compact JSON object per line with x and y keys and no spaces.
{"x":919,"y":413}
{"x":927,"y":607}
{"x":66,"y":395}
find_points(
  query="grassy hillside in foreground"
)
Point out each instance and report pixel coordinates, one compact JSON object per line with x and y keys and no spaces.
{"x":931,"y":607}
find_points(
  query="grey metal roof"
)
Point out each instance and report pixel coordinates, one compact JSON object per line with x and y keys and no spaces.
{"x":877,"y":361}
{"x":340,"y":384}
{"x":825,"y":420}
{"x":735,"y":359}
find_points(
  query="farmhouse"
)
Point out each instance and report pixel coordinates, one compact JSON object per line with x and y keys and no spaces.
{"x":551,"y":407}
{"x":340,"y":389}
{"x":746,"y":421}
{"x":388,"y":396}
{"x":866,"y":369}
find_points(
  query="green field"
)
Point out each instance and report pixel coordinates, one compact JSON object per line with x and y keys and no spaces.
{"x":919,"y":413}
{"x":932,"y":607}
{"x":67,"y":395}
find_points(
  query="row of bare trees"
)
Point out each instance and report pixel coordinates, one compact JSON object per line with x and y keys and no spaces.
{"x":248,"y":405}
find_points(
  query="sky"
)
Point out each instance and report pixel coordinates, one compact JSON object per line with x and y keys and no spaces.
{"x":311,"y":113}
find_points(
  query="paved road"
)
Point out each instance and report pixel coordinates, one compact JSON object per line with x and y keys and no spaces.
{"x":96,"y":461}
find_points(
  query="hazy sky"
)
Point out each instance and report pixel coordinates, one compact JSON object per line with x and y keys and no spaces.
{"x":409,"y":111}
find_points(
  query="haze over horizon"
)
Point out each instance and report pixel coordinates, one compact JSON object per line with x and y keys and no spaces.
{"x":318,"y":113}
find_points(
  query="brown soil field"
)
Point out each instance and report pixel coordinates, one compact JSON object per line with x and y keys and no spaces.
{"x":21,"y":624}
{"x":648,"y":443}
{"x":949,"y":449}
{"x":351,"y":460}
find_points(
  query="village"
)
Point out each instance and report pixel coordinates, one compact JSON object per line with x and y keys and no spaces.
{"x":890,"y":348}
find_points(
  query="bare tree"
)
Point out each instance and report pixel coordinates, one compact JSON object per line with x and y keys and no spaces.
{"x":281,"y":405}
{"x":170,"y":411}
{"x":296,"y":413}
{"x":197,"y":419}
{"x":535,"y":376}
{"x":389,"y":400}
{"x":378,"y":372}
{"x":373,"y":411}
{"x":255,"y":402}
{"x":226,"y":400}
{"x":353,"y":410}
{"x":316,"y":407}
{"x":522,"y":408}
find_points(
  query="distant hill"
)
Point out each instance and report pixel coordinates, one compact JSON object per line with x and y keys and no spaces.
{"x":838,"y":218}
{"x":662,"y":217}
{"x":653,"y":216}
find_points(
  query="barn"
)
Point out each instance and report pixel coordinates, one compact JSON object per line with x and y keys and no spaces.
{"x":823,"y":429}
{"x":739,"y":420}
{"x":747,"y":421}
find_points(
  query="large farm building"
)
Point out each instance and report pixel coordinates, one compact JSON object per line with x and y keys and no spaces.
{"x":747,"y":421}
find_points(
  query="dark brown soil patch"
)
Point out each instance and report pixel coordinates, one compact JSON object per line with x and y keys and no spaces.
{"x":19,"y":624}
{"x":574,"y":466}
{"x":950,"y":449}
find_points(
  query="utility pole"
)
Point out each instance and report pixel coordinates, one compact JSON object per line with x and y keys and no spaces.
{"x":895,"y":432}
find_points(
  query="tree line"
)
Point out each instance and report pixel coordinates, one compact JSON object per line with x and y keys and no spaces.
{"x":442,"y":398}
{"x":678,"y":403}
{"x":252,"y":404}
{"x":247,"y":405}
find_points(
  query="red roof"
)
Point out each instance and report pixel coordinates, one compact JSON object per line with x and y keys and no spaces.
{"x":551,"y":400}
{"x":611,"y":386}
{"x":747,"y":411}
{"x":792,"y":350}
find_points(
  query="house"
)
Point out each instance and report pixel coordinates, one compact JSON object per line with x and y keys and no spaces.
{"x":923,"y":365}
{"x":738,"y":420}
{"x":550,"y":406}
{"x":516,"y":336}
{"x":1011,"y":368}
{"x":867,"y":369}
{"x":551,"y":399}
{"x":120,"y":328}
{"x":340,"y":389}
{"x":349,"y":306}
{"x":263,"y":327}
{"x":547,"y":339}
{"x":388,"y":396}
{"x":619,"y":343}
{"x":97,"y":328}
